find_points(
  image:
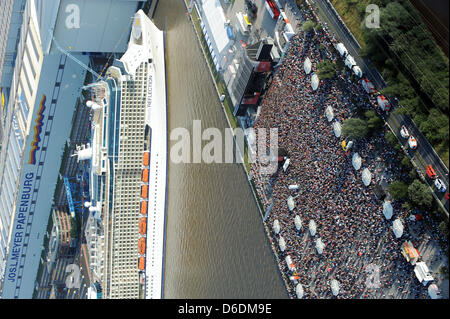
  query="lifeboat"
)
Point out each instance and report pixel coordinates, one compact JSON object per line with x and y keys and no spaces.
{"x":143,"y":226}
{"x":145,"y":175}
{"x":144,"y":192}
{"x":146,"y":159}
{"x":144,"y":208}
{"x":141,"y":245}
{"x":141,"y":263}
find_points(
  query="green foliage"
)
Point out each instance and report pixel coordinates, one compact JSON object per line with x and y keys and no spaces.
{"x":327,"y":69}
{"x":435,"y":127}
{"x":308,"y":26}
{"x":355,"y":128}
{"x":398,"y":190}
{"x":318,"y":27}
{"x":406,"y":206}
{"x":443,"y":228}
{"x":406,"y":162}
{"x":374,"y":122}
{"x":413,"y":174}
{"x":390,"y":137}
{"x":414,"y":66}
{"x":392,"y":140}
{"x":419,"y":195}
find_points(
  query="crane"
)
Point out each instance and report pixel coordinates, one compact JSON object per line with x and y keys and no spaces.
{"x":84,"y":66}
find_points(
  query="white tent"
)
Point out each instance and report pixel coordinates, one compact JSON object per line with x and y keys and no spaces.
{"x":319,"y":246}
{"x":314,"y":82}
{"x":397,"y":227}
{"x":286,"y":164}
{"x":282,"y":243}
{"x":387,"y":209}
{"x":356,"y":161}
{"x":349,"y":145}
{"x":312,"y":227}
{"x":335,"y":287}
{"x":366,"y":176}
{"x":307,"y":66}
{"x":299,"y":291}
{"x":276,"y":226}
{"x":357,"y":71}
{"x":350,"y":61}
{"x":289,"y":263}
{"x":329,"y":113}
{"x":298,"y":222}
{"x":341,"y":49}
{"x":423,"y":273}
{"x":291,"y":203}
{"x":337,"y":128}
{"x":433,"y":292}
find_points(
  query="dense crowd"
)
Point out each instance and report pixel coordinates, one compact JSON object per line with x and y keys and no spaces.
{"x":349,"y":218}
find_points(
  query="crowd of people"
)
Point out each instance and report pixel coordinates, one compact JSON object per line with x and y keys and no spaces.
{"x":349,"y":218}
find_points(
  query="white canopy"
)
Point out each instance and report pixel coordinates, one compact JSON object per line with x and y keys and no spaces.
{"x":337,"y":128}
{"x":312,"y":227}
{"x":298,"y":222}
{"x":314,"y":82}
{"x":356,"y":161}
{"x":329,"y":113}
{"x":335,"y":287}
{"x":276,"y":226}
{"x":282,"y":243}
{"x":397,"y":227}
{"x":319,"y":246}
{"x":299,"y":291}
{"x":286,"y":164}
{"x":341,"y":49}
{"x":433,"y":292}
{"x":307,"y":66}
{"x":357,"y":71}
{"x":366,"y":176}
{"x":289,"y":263}
{"x":350,"y":61}
{"x":423,"y":273}
{"x":291,"y":203}
{"x":387,"y":209}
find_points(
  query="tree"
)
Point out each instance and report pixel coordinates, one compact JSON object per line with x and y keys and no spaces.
{"x":419,"y":194}
{"x":327,"y":69}
{"x":318,"y":27}
{"x":406,"y":162}
{"x":443,"y":228}
{"x":354,"y":128}
{"x":308,"y":26}
{"x":398,"y":190}
{"x":435,"y":127}
{"x":373,"y":120}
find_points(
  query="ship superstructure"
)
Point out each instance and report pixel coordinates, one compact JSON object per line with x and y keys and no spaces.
{"x":128,"y":161}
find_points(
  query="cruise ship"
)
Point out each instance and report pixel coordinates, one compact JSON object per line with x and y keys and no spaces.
{"x":127,"y":160}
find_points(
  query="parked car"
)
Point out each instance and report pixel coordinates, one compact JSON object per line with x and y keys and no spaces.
{"x":412,"y":142}
{"x":404,"y":132}
{"x":440,"y":185}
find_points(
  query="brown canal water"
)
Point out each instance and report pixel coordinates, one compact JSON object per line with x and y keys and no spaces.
{"x":216,"y":246}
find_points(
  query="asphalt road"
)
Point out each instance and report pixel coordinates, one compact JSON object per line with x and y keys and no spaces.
{"x":349,"y":42}
{"x":425,"y":154}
